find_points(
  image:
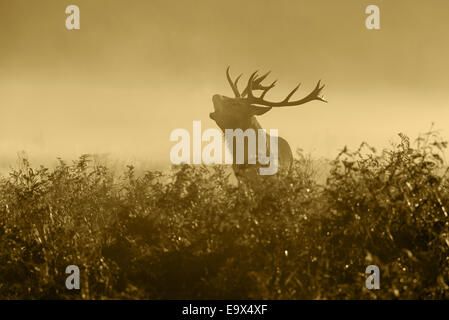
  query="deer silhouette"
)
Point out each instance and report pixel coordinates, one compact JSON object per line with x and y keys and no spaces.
{"x":240,"y":112}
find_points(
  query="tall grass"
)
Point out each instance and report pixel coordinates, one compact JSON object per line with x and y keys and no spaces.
{"x":192,"y":234}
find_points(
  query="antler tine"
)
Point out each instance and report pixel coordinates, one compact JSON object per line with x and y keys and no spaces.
{"x":292,"y":92}
{"x":233,"y":84}
{"x":318,"y":90}
{"x":258,"y":80}
{"x":267,"y":89}
{"x":237,"y":80}
{"x":255,"y":82}
{"x":249,"y":87}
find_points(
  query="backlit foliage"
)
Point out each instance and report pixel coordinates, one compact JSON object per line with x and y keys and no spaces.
{"x":190,"y":233}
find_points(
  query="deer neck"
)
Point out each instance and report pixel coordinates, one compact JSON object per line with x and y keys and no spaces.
{"x":254,"y":124}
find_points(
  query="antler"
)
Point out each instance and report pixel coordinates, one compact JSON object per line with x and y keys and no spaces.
{"x":255,"y":83}
{"x":233,"y":84}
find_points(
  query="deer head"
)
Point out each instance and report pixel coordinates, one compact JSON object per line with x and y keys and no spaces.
{"x":239,"y":112}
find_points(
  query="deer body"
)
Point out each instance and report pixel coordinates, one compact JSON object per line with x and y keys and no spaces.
{"x":242,"y":171}
{"x":240,"y":113}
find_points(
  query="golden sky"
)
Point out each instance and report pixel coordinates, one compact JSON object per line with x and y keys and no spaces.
{"x":136,"y":70}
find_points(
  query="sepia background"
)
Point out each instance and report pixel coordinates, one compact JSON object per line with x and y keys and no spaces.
{"x":136,"y":70}
{"x":139,"y":69}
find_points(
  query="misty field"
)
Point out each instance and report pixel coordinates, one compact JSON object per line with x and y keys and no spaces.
{"x":191,"y":234}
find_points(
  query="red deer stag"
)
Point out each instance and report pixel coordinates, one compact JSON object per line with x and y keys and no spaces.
{"x":239,"y":113}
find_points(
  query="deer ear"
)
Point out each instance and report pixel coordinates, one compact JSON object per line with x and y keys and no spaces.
{"x":258,"y":111}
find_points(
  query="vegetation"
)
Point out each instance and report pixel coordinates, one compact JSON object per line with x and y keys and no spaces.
{"x":192,"y":234}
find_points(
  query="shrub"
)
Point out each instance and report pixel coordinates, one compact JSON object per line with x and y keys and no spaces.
{"x":191,"y":233}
